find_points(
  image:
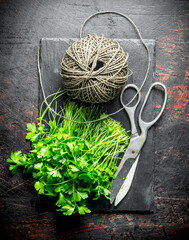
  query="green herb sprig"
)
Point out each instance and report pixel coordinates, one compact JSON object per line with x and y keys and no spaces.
{"x":70,"y":161}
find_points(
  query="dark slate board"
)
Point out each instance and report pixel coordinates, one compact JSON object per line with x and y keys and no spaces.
{"x":140,"y":196}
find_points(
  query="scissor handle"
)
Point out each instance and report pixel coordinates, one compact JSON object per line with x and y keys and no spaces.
{"x":131,"y":110}
{"x":146,"y":125}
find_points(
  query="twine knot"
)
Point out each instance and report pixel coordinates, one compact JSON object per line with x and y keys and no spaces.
{"x":94,"y":69}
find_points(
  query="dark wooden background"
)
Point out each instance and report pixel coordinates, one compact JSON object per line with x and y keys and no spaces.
{"x":22,"y":24}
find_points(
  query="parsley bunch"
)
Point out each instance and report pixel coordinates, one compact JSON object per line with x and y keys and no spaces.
{"x":70,"y":161}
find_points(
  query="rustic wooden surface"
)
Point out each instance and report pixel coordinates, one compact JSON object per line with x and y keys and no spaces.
{"x":22,"y":24}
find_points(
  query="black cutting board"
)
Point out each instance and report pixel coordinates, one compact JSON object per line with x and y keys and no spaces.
{"x":140,"y":196}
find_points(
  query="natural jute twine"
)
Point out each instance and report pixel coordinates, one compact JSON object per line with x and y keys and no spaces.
{"x":94,"y":69}
{"x":94,"y":65}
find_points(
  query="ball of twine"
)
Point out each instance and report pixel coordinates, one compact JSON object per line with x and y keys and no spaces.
{"x":94,"y":69}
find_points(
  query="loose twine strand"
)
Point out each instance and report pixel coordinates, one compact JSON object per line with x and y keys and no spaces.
{"x":81,"y":32}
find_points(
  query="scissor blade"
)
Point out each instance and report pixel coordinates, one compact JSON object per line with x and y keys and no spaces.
{"x":117,"y":183}
{"x":127,"y":183}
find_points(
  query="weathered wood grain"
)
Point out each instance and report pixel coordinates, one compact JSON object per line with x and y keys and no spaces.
{"x":170,"y":221}
{"x":22,"y":24}
{"x":24,"y":21}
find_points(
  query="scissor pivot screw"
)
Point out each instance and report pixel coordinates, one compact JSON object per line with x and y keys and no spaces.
{"x":133,"y":151}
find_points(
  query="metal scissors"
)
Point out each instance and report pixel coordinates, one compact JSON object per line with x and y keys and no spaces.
{"x":124,"y":175}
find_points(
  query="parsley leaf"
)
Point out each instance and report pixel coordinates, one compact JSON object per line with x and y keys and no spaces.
{"x":39,"y":186}
{"x":31,"y":127}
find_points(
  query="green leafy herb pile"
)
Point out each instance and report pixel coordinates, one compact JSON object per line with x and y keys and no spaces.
{"x":71,"y":161}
